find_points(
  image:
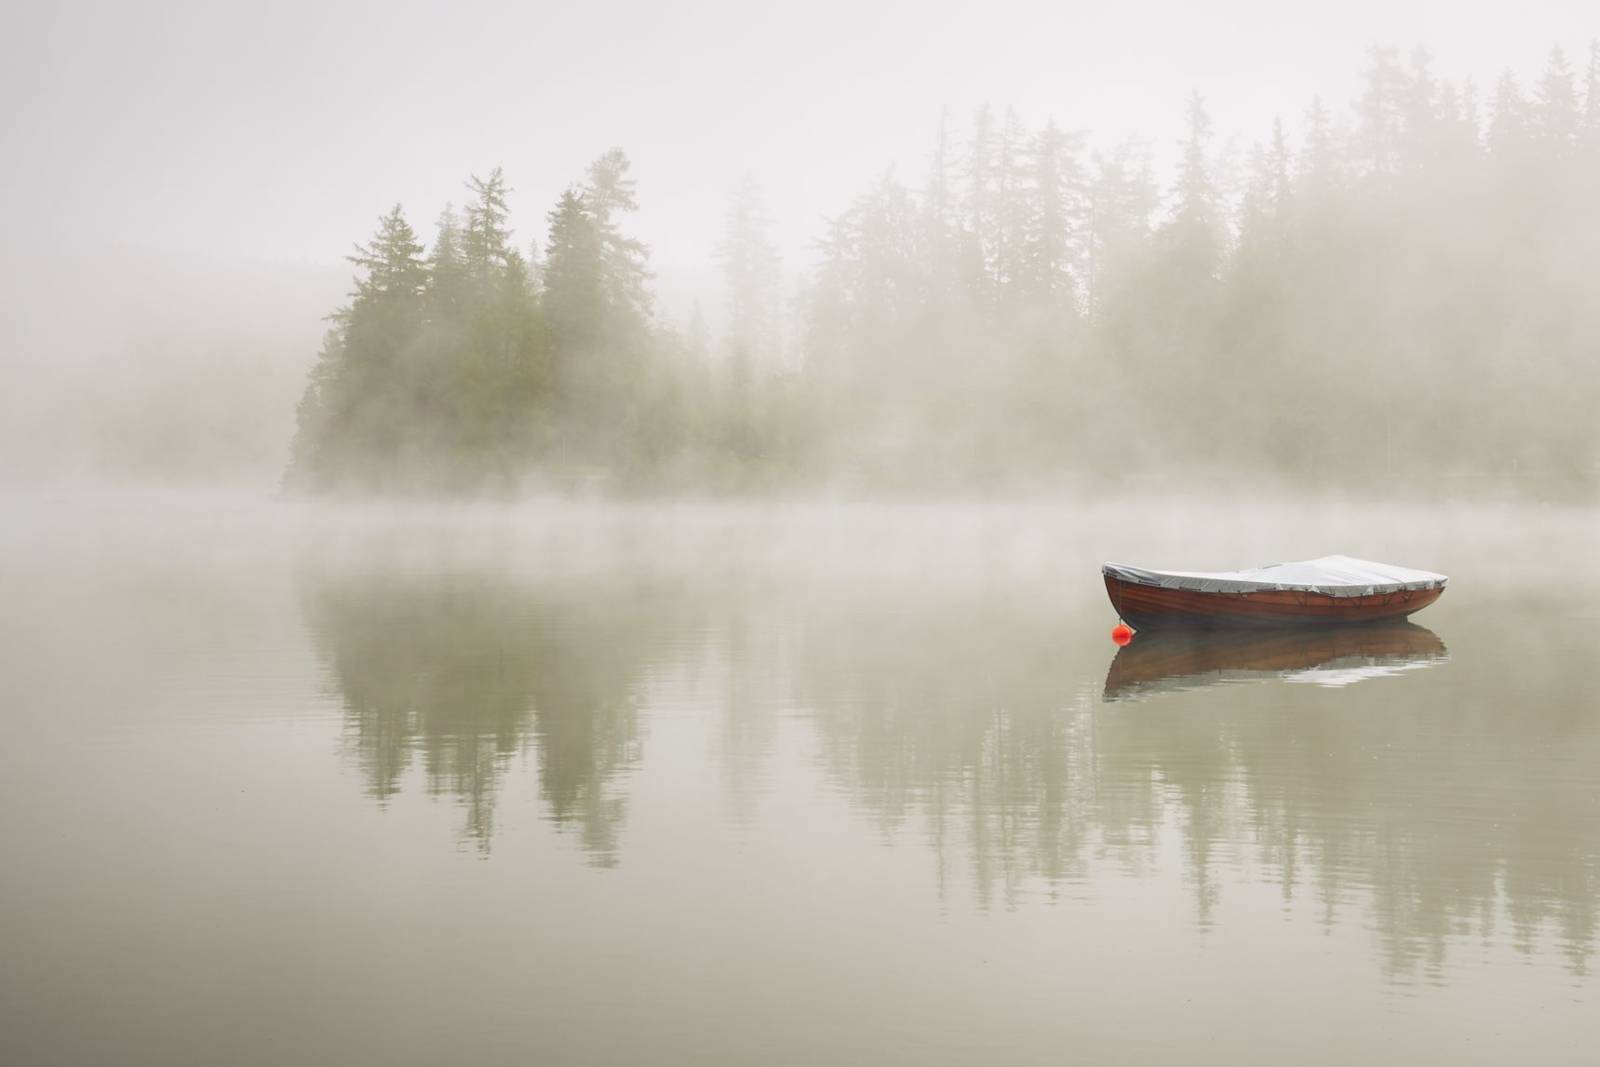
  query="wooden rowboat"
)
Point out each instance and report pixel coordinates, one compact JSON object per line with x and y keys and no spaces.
{"x":1333,"y":590}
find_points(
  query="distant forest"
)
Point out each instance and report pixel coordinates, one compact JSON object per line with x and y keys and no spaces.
{"x":1402,"y":292}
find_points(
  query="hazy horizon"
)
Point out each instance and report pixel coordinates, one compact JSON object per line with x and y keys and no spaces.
{"x":204,"y":172}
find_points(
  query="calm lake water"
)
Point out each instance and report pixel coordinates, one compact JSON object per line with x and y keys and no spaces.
{"x":848,"y":784}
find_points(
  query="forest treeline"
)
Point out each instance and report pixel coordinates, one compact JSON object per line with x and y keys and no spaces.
{"x":1398,"y":292}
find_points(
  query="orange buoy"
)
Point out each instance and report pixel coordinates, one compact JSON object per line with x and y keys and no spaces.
{"x":1122,"y":633}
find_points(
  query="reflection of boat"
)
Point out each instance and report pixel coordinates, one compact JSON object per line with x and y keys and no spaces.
{"x":1333,"y":589}
{"x":1165,"y":660}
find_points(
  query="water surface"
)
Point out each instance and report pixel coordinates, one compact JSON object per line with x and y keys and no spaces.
{"x":790,"y":785}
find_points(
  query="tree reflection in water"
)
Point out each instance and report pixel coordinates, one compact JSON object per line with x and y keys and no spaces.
{"x":462,"y":671}
{"x":978,"y":721}
{"x":1430,"y":801}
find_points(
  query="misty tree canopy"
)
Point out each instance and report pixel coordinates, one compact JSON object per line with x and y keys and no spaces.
{"x":1404,"y":292}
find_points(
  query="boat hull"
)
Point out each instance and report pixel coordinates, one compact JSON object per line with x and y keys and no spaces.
{"x":1149,"y":606}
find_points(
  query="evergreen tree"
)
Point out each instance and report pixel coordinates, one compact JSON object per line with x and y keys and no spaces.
{"x":574,"y":292}
{"x":942,"y":236}
{"x":1011,"y":203}
{"x":869,"y":290}
{"x":311,"y":450}
{"x":751,"y":268}
{"x":1380,"y":110}
{"x":355,"y":416}
{"x":1319,"y":162}
{"x":1590,"y":133}
{"x":447,"y":271}
{"x":1054,"y":240}
{"x":1121,"y":199}
{"x":1509,"y":121}
{"x":1194,"y":233}
{"x":512,"y":409}
{"x":1256,"y":213}
{"x":485,"y":244}
{"x":938,"y":197}
{"x":1557,"y":116}
{"x":1457,"y":139}
{"x":1421,"y":113}
{"x":596,"y":312}
{"x":393,"y":263}
{"x":1279,"y":165}
{"x":625,"y":274}
{"x":981,"y":223}
{"x":1419,"y":107}
{"x":1470,"y":112}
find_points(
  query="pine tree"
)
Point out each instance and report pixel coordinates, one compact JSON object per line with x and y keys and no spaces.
{"x":1590,"y":133}
{"x":1556,"y":114}
{"x":941,"y":236}
{"x":1420,"y":119}
{"x":751,"y":268}
{"x":1256,"y":212}
{"x":979,"y":206}
{"x":1054,"y":240}
{"x":938,"y":197}
{"x":1319,"y":161}
{"x":882,"y":226}
{"x":1470,"y":116}
{"x":870,"y":286}
{"x":1508,"y":121}
{"x":447,"y":267}
{"x":625,"y":273}
{"x":1121,"y":198}
{"x":1458,"y":125}
{"x":1280,"y":163}
{"x":1011,"y":197}
{"x":1194,"y":232}
{"x":1269,"y":201}
{"x":357,"y":410}
{"x":574,"y":302}
{"x":518,"y":370}
{"x":392,"y":261}
{"x":310,"y":451}
{"x":574,"y":314}
{"x":486,"y":240}
{"x":1253,"y":304}
{"x":596,"y":307}
{"x":1379,"y":110}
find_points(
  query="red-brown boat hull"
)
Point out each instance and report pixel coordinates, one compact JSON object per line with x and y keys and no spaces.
{"x":1151,"y":606}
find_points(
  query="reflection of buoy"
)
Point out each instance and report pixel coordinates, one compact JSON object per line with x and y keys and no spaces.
{"x":1122,"y":633}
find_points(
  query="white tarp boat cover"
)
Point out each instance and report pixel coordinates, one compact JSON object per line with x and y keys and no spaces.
{"x":1332,"y":575}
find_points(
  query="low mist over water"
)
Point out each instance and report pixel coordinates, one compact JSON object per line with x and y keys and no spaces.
{"x":618,"y":767}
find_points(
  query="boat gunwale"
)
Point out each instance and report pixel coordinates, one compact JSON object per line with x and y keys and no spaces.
{"x":1131,"y":575}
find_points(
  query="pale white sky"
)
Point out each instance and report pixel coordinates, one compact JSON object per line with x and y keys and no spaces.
{"x":222,"y":133}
